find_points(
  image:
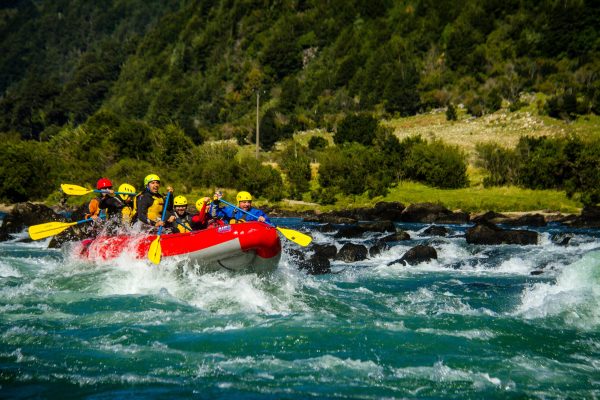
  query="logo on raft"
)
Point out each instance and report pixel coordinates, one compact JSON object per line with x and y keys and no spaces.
{"x":224,"y":228}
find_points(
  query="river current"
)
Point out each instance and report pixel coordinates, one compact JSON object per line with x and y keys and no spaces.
{"x":475,"y":323}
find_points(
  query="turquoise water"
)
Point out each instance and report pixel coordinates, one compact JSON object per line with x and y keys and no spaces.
{"x":472,"y":324}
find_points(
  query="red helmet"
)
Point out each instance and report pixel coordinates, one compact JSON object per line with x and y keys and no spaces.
{"x":103,"y":183}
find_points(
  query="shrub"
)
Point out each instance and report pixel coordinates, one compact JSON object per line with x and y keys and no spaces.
{"x":295,"y":163}
{"x":451,"y":113}
{"x":543,"y":162}
{"x":25,"y":172}
{"x":317,"y":142}
{"x":437,"y":164}
{"x":212,"y":165}
{"x":562,"y":106}
{"x":353,"y":169}
{"x":359,"y":128}
{"x":324,"y":196}
{"x":502,"y":164}
{"x":260,"y":180}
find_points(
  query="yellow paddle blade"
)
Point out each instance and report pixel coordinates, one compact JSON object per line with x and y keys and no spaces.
{"x":155,"y":251}
{"x":74,"y":190}
{"x":42,"y":231}
{"x":295,"y":236}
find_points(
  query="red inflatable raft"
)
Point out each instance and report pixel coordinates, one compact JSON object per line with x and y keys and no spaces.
{"x":251,"y":246}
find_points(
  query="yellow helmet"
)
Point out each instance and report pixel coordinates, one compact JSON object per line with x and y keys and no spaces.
{"x":199,"y":204}
{"x":244,"y":196}
{"x":150,"y":178}
{"x":126,"y":187}
{"x":180,"y":201}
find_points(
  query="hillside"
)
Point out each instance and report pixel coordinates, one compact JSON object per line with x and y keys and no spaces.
{"x":199,"y":64}
{"x":122,"y":87}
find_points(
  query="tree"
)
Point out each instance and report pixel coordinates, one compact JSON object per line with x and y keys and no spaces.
{"x":295,"y":163}
{"x":359,"y":128}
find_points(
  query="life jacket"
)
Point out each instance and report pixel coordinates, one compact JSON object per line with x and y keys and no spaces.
{"x":183,"y":223}
{"x":129,"y":211}
{"x":156,"y":209}
{"x":236,"y":220}
{"x":94,"y":209}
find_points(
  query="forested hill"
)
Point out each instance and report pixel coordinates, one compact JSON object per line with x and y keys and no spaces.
{"x":198,"y":64}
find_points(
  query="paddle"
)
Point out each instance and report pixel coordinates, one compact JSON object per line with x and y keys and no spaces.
{"x":295,"y":236}
{"x":74,"y":190}
{"x":155,"y":251}
{"x":42,"y":231}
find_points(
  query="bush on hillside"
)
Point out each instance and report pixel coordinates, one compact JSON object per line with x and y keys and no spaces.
{"x":317,"y":142}
{"x":359,"y":128}
{"x":353,"y":169}
{"x":543,"y":162}
{"x":212,"y":165}
{"x":501,"y":164}
{"x":295,"y":163}
{"x":437,"y":164}
{"x":260,"y":180}
{"x":25,"y":168}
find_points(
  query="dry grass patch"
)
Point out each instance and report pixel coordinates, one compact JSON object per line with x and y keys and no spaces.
{"x":501,"y":127}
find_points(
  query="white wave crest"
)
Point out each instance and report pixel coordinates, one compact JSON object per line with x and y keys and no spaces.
{"x":575,"y":296}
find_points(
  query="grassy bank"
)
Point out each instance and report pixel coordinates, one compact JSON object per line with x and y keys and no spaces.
{"x":472,"y":199}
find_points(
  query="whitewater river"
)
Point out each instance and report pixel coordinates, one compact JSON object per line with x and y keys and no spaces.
{"x":473,"y":324}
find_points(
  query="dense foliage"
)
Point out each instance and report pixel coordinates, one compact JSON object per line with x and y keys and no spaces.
{"x":124,"y":87}
{"x":567,"y":163}
{"x":355,"y":168}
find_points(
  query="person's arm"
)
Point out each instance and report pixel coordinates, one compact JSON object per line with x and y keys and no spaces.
{"x":111,"y":202}
{"x":143,"y":204}
{"x":225,"y":213}
{"x":259,"y":215}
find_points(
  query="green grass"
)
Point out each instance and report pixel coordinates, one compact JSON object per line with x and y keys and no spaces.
{"x":472,"y":199}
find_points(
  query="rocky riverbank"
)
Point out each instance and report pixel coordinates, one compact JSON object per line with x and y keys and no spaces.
{"x":354,"y":224}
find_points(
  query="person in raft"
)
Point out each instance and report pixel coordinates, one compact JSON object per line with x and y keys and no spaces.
{"x":106,"y":207}
{"x":249,"y":213}
{"x":183,"y":219}
{"x":128,"y":212}
{"x":200,"y":220}
{"x":150,"y":205}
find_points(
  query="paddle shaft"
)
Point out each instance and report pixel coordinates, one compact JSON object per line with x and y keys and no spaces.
{"x":246,"y":212}
{"x":107,"y":192}
{"x":164,"y":214}
{"x":295,"y":236}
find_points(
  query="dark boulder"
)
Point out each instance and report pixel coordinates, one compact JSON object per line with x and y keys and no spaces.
{"x":527,"y":220}
{"x":416,"y":255}
{"x":430,"y":213}
{"x":351,"y":231}
{"x":382,"y":211}
{"x":72,"y":234}
{"x":295,"y":254}
{"x":396,"y":237}
{"x":327,"y":228}
{"x":351,"y":252}
{"x":489,"y":216}
{"x":490,"y":234}
{"x":561,"y":239}
{"x":354,"y":231}
{"x":325,"y":250}
{"x":316,"y":265}
{"x":330,"y":218}
{"x":435,"y":230}
{"x":24,"y":215}
{"x":589,"y":218}
{"x":378,"y":248}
